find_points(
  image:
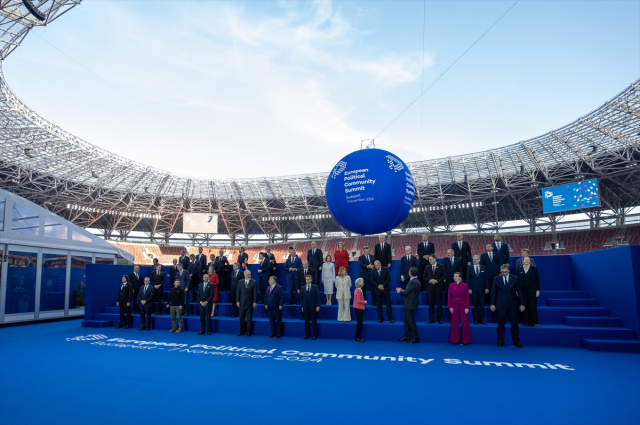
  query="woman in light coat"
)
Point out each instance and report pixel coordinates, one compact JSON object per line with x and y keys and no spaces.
{"x":328,"y":277}
{"x":343,"y":295}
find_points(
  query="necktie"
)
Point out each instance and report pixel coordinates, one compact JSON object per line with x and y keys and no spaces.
{"x":246,"y":283}
{"x":460,"y":245}
{"x":314,"y":252}
{"x":433,"y":269}
{"x":477,"y":273}
{"x":123,"y":285}
{"x":270,"y":290}
{"x":308,"y":288}
{"x":490,"y":257}
{"x":379,"y":272}
{"x":504,"y":279}
{"x":407,"y":258}
{"x":145,"y":290}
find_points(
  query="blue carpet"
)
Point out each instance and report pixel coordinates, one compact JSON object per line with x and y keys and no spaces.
{"x":48,"y":376}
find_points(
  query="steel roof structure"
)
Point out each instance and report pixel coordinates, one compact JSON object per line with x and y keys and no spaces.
{"x":93,"y":187}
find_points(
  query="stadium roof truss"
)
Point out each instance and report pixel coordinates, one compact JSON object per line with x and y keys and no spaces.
{"x":92,"y":187}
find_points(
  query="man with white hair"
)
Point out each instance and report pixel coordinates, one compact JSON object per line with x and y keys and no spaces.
{"x":406,"y":262}
{"x":382,"y":252}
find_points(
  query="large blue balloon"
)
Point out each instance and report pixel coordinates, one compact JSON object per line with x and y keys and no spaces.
{"x":370,"y":191}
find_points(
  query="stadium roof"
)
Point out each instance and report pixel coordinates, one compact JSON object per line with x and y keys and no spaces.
{"x":93,"y":187}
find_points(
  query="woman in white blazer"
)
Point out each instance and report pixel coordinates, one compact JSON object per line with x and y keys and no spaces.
{"x":343,"y":295}
{"x":328,"y":277}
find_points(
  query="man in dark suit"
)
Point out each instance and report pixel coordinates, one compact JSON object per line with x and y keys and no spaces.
{"x":242,"y":255}
{"x":451,"y":265}
{"x":146,"y":297}
{"x":224,"y":270}
{"x":173,"y":270}
{"x":411,"y":294}
{"x":195,"y":271}
{"x":310,"y":303}
{"x":184,"y":260}
{"x":274,"y":300}
{"x":315,"y":259}
{"x":435,"y":277}
{"x":272,"y":260}
{"x":264,"y":267}
{"x":247,"y":299}
{"x":381,"y":278}
{"x":216,"y":267}
{"x":202,"y":259}
{"x":478,"y":282}
{"x":406,"y":262}
{"x":157,"y":280}
{"x":136,"y":280}
{"x":491,"y":262}
{"x":183,"y":276}
{"x":382,"y":252}
{"x":293,"y":265}
{"x":125,"y":295}
{"x":506,"y":299}
{"x":502,"y":249}
{"x":236,"y":276}
{"x":425,"y":249}
{"x":205,"y":294}
{"x":302,"y":277}
{"x":366,"y":261}
{"x":462,"y":250}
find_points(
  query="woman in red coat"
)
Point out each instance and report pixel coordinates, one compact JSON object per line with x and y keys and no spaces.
{"x":213,"y":279}
{"x":358,"y":307}
{"x":341,"y":257}
{"x":458,"y":297}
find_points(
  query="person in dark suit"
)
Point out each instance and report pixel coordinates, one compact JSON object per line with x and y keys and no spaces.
{"x":274,"y":300}
{"x":242,"y":256}
{"x":366,"y":261}
{"x":213,"y":262}
{"x":157,"y":280}
{"x":502,"y":249}
{"x":202,"y":260}
{"x":406,"y":262}
{"x":435,"y":277}
{"x":462,"y":250}
{"x":525,"y":254}
{"x":315,"y":259}
{"x":382,"y":252}
{"x":452,"y":265}
{"x":205,"y":294}
{"x":491,"y":262}
{"x":173,"y":270}
{"x":529,"y":282}
{"x":125,"y":295}
{"x":272,"y":260}
{"x":310,"y":303}
{"x":302,"y":277}
{"x":425,"y":249}
{"x":264,"y":269}
{"x":236,"y":276}
{"x":136,"y":280}
{"x":223,"y":271}
{"x":146,"y":297}
{"x":410,"y":295}
{"x":478,"y":282}
{"x":293,"y":265}
{"x":381,"y":278}
{"x":185,"y":281}
{"x":506,"y":299}
{"x":184,"y":260}
{"x":247,"y":299}
{"x":195,"y":271}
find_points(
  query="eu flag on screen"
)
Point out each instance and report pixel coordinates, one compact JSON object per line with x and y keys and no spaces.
{"x":573,"y":196}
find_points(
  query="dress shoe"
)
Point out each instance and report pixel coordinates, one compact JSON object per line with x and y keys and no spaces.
{"x":390,"y":320}
{"x":404,"y":338}
{"x":126,"y":326}
{"x":179,"y":330}
{"x":248,"y":333}
{"x":380,"y":320}
{"x":306,"y":337}
{"x":235,"y":315}
{"x":209,"y":333}
{"x":500,"y":343}
{"x":475,"y":322}
{"x":314,"y":337}
{"x":290,"y":303}
{"x":119,"y":326}
{"x":278,"y":336}
{"x":359,"y":340}
{"x":173,"y":330}
{"x":272,"y":336}
{"x":431,"y":321}
{"x":142,"y":328}
{"x":241,"y":333}
{"x":482,"y":322}
{"x":148,"y":328}
{"x":440,"y":321}
{"x":302,"y":318}
{"x":517,"y":344}
{"x":414,"y":341}
{"x":201,"y":333}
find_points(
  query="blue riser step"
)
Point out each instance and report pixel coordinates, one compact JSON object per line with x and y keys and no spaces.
{"x":545,"y":295}
{"x":592,"y":322}
{"x":96,"y":323}
{"x":620,"y":346}
{"x":572,"y":302}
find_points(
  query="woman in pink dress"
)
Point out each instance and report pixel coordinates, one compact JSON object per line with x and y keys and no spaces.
{"x":341,"y":257}
{"x":458,"y":297}
{"x":213,"y":279}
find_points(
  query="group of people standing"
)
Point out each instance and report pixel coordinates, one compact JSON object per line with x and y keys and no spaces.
{"x":460,"y":282}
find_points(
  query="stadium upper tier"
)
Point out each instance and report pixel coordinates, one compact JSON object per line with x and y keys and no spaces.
{"x":96,"y":188}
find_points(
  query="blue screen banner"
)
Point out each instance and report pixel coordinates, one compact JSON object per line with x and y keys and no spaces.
{"x":573,"y":196}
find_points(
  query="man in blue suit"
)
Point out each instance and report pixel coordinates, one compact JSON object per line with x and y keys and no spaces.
{"x":462,"y":249}
{"x":506,"y":299}
{"x":478,"y":282}
{"x":264,"y":269}
{"x":366,"y":261}
{"x":146,"y":294}
{"x":315,"y":259}
{"x":451,"y":265}
{"x":293,"y":265}
{"x":273,"y":302}
{"x":310,"y":303}
{"x":184,"y":260}
{"x":202,"y":259}
{"x":425,"y":249}
{"x":183,"y":276}
{"x":502,"y":249}
{"x":381,"y":278}
{"x":491,"y":262}
{"x":242,"y":255}
{"x":406,"y":263}
{"x":195,"y":270}
{"x":205,"y":294}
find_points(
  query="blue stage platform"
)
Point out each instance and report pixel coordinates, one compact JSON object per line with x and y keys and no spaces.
{"x":61,"y":373}
{"x":569,"y":315}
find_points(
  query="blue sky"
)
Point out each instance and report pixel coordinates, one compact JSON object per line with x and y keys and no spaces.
{"x":243,"y":89}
